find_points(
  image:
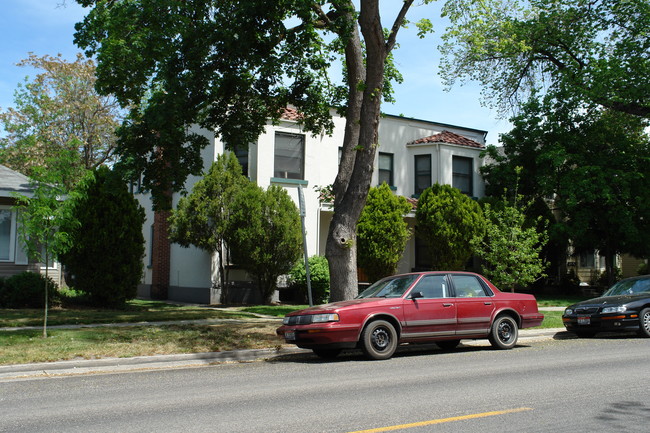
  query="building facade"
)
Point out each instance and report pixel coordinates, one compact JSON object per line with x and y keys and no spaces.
{"x":413,"y":154}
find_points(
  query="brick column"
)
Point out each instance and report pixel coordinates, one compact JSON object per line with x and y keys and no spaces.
{"x":161,"y":255}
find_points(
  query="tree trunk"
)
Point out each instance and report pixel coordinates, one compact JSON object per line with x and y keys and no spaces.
{"x":360,"y":142}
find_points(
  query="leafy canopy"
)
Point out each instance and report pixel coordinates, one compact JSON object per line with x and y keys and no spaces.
{"x":595,"y":51}
{"x":59,"y":110}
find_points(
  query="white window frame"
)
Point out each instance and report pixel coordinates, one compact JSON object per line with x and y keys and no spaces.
{"x":12,"y":235}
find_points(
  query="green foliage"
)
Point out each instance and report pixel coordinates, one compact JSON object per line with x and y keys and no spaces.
{"x":447,"y":221}
{"x":201,"y":219}
{"x":108,"y":246}
{"x":264,"y":234}
{"x":59,"y":110}
{"x":319,"y":275}
{"x":591,"y":51}
{"x":510,"y":250}
{"x":592,"y":163}
{"x":382,"y":232}
{"x":27,"y":290}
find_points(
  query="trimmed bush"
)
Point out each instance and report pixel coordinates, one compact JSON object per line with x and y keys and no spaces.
{"x":319,"y":274}
{"x":26,"y":290}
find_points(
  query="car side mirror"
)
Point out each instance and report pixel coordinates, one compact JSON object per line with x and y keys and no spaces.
{"x":416,"y":295}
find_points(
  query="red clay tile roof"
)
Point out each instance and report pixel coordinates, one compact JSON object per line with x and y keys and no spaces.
{"x":449,"y":138}
{"x":290,"y":114}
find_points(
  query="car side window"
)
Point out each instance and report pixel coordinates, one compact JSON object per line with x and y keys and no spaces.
{"x":432,"y":286}
{"x":467,"y":286}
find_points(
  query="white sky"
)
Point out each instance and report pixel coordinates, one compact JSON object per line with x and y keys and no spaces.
{"x":47,"y":27}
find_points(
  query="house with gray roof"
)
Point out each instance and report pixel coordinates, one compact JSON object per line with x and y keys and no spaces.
{"x":13,"y":256}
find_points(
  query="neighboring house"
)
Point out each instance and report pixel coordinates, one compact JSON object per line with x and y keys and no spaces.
{"x":13,"y":257}
{"x":413,"y":154}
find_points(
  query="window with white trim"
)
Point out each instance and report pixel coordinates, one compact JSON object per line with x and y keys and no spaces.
{"x":289,"y":157}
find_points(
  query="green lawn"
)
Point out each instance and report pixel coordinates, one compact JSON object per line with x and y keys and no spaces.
{"x":28,"y":346}
{"x":135,"y":311}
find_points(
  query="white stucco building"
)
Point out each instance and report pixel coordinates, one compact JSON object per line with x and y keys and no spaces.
{"x":413,"y":154}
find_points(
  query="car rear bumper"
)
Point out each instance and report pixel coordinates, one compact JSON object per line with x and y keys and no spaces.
{"x":531,"y":320}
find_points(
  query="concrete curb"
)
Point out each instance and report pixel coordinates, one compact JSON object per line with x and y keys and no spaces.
{"x":189,"y":360}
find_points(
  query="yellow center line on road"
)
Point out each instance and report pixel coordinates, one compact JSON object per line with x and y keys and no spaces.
{"x":443,"y":420}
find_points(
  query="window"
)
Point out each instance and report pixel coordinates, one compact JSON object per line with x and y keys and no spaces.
{"x":242,"y":157}
{"x":422,"y":255}
{"x":6,"y":218}
{"x":422,"y":173}
{"x":386,"y":168}
{"x":289,"y":162}
{"x":467,"y":286}
{"x":432,"y":287}
{"x":462,"y":174}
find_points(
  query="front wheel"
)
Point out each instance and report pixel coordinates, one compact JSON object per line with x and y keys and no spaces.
{"x":379,"y":340}
{"x":504,"y":333}
{"x":644,"y":319}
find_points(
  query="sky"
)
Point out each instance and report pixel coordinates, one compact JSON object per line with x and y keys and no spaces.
{"x":47,"y":27}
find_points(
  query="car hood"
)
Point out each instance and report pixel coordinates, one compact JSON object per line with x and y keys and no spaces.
{"x":617,"y":300}
{"x":341,"y":304}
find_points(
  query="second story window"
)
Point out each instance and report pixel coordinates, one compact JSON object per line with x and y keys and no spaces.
{"x":386,"y":168}
{"x":422,"y":173}
{"x":462,"y":174}
{"x":289,"y":159}
{"x":242,"y":156}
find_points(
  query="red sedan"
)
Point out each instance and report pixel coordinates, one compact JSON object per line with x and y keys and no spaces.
{"x":423,"y":307}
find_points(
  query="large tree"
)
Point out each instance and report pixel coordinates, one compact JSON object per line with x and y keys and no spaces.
{"x":595,"y":51}
{"x":592,"y":163}
{"x":230,"y":66}
{"x":59,"y":110}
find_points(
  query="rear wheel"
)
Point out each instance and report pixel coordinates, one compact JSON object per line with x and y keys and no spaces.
{"x":504,"y":333}
{"x":379,"y":340}
{"x":326,"y":353}
{"x":448,"y":344}
{"x":644,"y":319}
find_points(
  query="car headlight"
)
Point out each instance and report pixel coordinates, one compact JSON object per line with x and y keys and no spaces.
{"x":310,"y":318}
{"x":321,"y":318}
{"x":619,"y":309}
{"x":568,"y":312}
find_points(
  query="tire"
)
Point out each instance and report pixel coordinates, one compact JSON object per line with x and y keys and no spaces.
{"x":584,"y":334}
{"x":448,"y":344}
{"x":644,"y":322}
{"x":504,"y":333}
{"x":379,"y":340}
{"x":326,"y":353}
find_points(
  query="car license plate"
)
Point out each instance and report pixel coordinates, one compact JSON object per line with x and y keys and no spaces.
{"x":290,"y":336}
{"x":584,"y":320}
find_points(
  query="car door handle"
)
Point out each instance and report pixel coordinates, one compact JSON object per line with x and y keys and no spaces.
{"x":487,"y":303}
{"x":447,"y":305}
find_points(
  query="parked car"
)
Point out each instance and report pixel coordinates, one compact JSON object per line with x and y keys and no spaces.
{"x":440,"y":307}
{"x":623,"y":307}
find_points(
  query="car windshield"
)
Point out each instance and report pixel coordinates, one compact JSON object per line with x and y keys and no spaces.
{"x":629,"y":287}
{"x":393,"y":287}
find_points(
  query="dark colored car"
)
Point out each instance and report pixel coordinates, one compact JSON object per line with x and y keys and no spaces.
{"x":440,"y":307}
{"x":623,"y":307}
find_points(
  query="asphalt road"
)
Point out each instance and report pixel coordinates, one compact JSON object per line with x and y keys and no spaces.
{"x":541,"y":386}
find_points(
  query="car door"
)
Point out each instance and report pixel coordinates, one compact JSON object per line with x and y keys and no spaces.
{"x":474,"y":305}
{"x":429,"y":310}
